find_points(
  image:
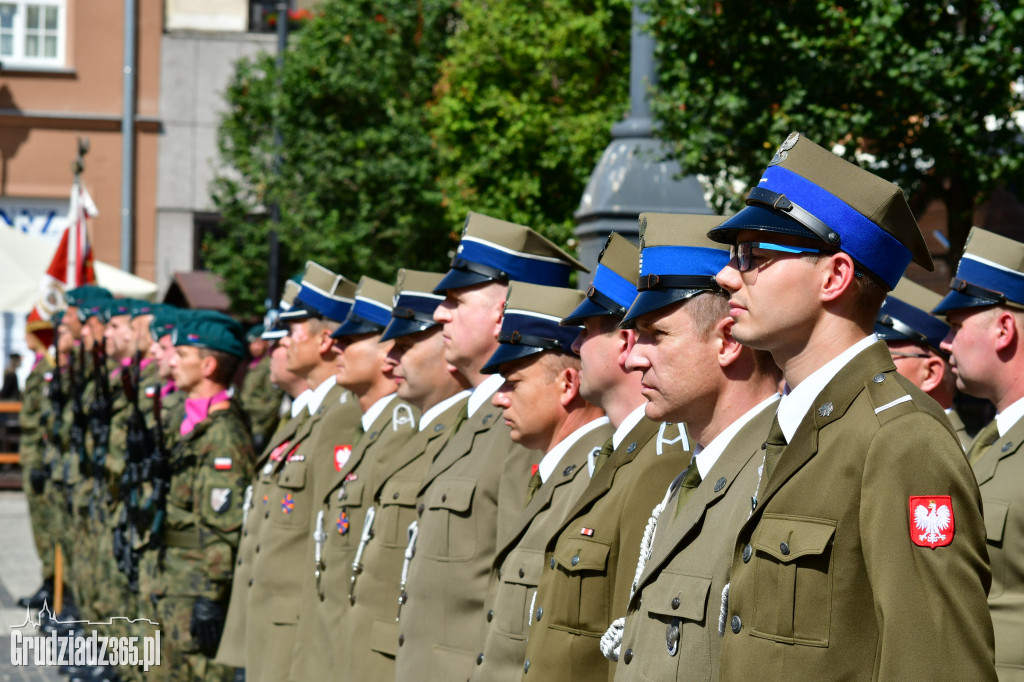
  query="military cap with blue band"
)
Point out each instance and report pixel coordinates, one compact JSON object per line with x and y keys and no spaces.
{"x":497,"y":250}
{"x":991,"y":272}
{"x":807,"y":191}
{"x":532,"y":323}
{"x":677,"y":261}
{"x":278,"y":329}
{"x":614,"y":287}
{"x":371,"y":311}
{"x":904,"y":316}
{"x":323,"y":294}
{"x":210,"y":330}
{"x":415,"y":302}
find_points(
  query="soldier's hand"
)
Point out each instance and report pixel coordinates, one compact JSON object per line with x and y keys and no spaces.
{"x":207,"y":625}
{"x":37,"y":478}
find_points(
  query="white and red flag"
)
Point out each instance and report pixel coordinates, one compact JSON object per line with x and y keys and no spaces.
{"x":72,"y":264}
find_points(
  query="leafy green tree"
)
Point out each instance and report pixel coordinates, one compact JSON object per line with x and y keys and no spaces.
{"x":356,"y":183}
{"x":525,"y":105}
{"x":921,"y":92}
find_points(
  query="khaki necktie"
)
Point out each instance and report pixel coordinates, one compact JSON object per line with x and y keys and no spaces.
{"x":460,"y":417}
{"x":985,"y":438}
{"x":691,"y":479}
{"x":773,"y":446}
{"x":602,"y":456}
{"x":535,"y":483}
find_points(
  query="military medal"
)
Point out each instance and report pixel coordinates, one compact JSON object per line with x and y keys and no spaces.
{"x":342,"y":524}
{"x":287,"y":504}
{"x":589,"y":532}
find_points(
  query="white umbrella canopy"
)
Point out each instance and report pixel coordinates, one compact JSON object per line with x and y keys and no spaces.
{"x":24,"y":260}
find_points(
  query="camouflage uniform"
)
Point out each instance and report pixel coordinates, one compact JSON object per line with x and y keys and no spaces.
{"x":30,"y":456}
{"x":262,"y":402}
{"x":204,"y":515}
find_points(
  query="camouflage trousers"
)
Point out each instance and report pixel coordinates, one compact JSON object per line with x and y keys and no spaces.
{"x":181,"y":660}
{"x":44,"y":517}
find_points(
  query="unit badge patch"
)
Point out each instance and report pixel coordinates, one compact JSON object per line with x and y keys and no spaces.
{"x":931,"y":520}
{"x":287,"y":504}
{"x":341,"y":455}
{"x":220,"y":498}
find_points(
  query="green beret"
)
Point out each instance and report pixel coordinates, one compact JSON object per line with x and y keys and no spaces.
{"x":86,"y":295}
{"x":255,"y":332}
{"x":142,"y":307}
{"x":95,"y":308}
{"x":211,"y":330}
{"x":165,"y":318}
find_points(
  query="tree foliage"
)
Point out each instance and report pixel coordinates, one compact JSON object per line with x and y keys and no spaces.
{"x":921,"y":92}
{"x":356,"y":183}
{"x":525,"y":105}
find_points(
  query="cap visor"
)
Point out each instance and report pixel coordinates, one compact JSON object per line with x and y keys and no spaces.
{"x":507,"y":352}
{"x":398,"y":327}
{"x":889,"y":334}
{"x":955,"y":300}
{"x":356,"y":326}
{"x":651,"y":300}
{"x":587,"y":308}
{"x":459,"y":279}
{"x":274,"y":334}
{"x":297,"y":312}
{"x":761,"y":220}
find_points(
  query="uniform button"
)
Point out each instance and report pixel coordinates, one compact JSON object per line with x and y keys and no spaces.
{"x":628,"y":656}
{"x":575,"y":559}
{"x":784,"y":548}
{"x":401,"y":640}
{"x":522,"y":573}
{"x":490,"y":615}
{"x":764,"y":445}
{"x":395,"y":496}
{"x":631,"y":447}
{"x":878,"y":378}
{"x":526,"y":666}
{"x":675,"y":602}
{"x":245,"y":533}
{"x":257,"y":549}
{"x":266,"y":514}
{"x":419,"y":509}
{"x":736,"y":624}
{"x":552,"y":563}
{"x":747,"y":552}
{"x":444,"y":497}
{"x":250,"y":582}
{"x":540,"y":612}
{"x":479,"y":659}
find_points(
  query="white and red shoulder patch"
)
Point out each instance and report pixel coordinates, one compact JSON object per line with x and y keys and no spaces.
{"x":222,"y":463}
{"x":341,"y":455}
{"x":931,"y":520}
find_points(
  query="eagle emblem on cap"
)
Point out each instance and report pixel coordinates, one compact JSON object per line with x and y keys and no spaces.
{"x":783,"y":151}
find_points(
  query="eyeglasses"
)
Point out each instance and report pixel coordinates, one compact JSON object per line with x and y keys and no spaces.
{"x":743,"y":252}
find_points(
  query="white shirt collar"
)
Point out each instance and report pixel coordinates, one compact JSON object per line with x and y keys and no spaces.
{"x":483,"y":392}
{"x":706,"y":457}
{"x":555,"y":454}
{"x":316,"y":397}
{"x":1010,"y":416}
{"x":300,"y":401}
{"x":434,"y":412}
{"x":795,"y":404}
{"x":631,"y":420}
{"x":371,"y":414}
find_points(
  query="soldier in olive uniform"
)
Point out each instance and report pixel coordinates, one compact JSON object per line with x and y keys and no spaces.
{"x":416,"y":361}
{"x":836,"y":570}
{"x":581,"y":596}
{"x":260,"y":397}
{"x":694,"y":370}
{"x":474,"y":490}
{"x":984,"y":310}
{"x":542,"y":404}
{"x":34,"y":406}
{"x":344,"y":522}
{"x":289,"y":503}
{"x":914,"y":337}
{"x":210,"y":467}
{"x":232,"y":644}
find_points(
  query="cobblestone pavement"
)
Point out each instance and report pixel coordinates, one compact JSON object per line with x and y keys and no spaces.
{"x":20,"y":574}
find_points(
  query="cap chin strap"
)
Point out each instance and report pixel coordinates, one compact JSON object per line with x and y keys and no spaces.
{"x":605,"y":302}
{"x":648,"y":282}
{"x":909,"y":332}
{"x":403,"y":313}
{"x":765,"y":197}
{"x":480,"y":269}
{"x":968,"y":289}
{"x":515,"y":338}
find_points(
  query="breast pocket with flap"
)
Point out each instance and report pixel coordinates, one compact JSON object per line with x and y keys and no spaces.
{"x":672,"y":627}
{"x":581,"y":602}
{"x":450,"y":533}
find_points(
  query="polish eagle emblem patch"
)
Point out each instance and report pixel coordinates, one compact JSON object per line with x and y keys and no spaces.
{"x":931,"y":520}
{"x":341,"y":455}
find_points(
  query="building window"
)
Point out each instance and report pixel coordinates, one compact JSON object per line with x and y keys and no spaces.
{"x":32,"y":33}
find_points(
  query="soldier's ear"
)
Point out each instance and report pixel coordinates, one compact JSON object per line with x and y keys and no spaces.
{"x":627,"y":339}
{"x":208,"y":365}
{"x":729,"y":349}
{"x":569,"y":382}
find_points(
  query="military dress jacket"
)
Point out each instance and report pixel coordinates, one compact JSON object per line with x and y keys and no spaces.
{"x":231,"y":650}
{"x":960,"y":429}
{"x":671,"y":630}
{"x":372,"y":623}
{"x":832,"y":573}
{"x":285,"y":538}
{"x":326,"y":598}
{"x":210,"y":468}
{"x":471,"y":496}
{"x":594,"y":553}
{"x":262,"y":402}
{"x":1000,"y":474}
{"x":519,"y":563}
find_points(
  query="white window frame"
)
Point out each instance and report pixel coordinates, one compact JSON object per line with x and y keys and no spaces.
{"x":19,"y":60}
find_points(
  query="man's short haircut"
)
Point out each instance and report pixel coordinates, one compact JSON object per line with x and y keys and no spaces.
{"x":557,"y":362}
{"x":227,"y":365}
{"x":706,"y":310}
